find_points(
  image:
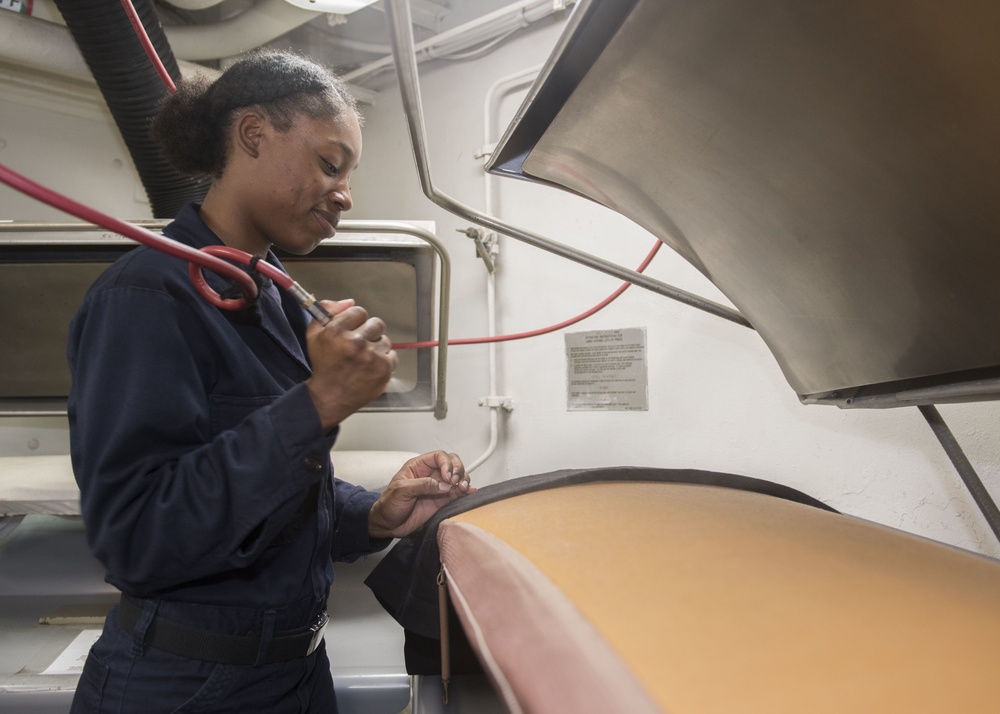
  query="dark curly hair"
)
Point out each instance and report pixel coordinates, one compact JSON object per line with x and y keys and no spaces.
{"x":192,"y":123}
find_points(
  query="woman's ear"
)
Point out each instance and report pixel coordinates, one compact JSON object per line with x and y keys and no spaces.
{"x":249,"y":132}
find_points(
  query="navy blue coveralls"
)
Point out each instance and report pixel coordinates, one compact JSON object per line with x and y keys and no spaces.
{"x":206,"y":489}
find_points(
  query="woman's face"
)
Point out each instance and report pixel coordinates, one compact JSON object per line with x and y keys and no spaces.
{"x":301,"y":181}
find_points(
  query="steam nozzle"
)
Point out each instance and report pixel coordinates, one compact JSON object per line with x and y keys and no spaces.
{"x":309,"y":302}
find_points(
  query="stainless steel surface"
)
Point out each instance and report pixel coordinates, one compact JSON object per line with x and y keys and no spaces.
{"x":48,"y":230}
{"x":832,"y":166}
{"x":22,"y":387}
{"x":954,"y":392}
{"x":444,"y":294}
{"x":398,"y":15}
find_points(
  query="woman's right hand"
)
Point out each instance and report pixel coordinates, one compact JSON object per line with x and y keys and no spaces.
{"x":352,"y":361}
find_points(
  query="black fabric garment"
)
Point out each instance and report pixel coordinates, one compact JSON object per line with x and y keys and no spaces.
{"x":405,"y":581}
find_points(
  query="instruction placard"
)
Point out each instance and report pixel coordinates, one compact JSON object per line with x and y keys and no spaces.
{"x":72,"y":658}
{"x":607,"y":370}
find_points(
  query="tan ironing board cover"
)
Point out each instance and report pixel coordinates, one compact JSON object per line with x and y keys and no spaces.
{"x":719,"y":600}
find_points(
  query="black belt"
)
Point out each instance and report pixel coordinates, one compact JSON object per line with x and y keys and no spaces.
{"x":209,"y":646}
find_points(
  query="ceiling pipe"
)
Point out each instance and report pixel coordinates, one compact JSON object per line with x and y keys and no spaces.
{"x":193,"y":4}
{"x":48,"y":47}
{"x":29,"y":43}
{"x":482,"y":29}
{"x":258,"y":25}
{"x":42,"y":46}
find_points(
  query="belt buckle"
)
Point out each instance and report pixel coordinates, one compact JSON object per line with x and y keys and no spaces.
{"x":317,"y":632}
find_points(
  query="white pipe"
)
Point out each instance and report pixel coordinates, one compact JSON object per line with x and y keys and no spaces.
{"x":49,"y":47}
{"x":255,"y":26}
{"x":43,"y":46}
{"x":193,"y":4}
{"x":494,"y":440}
{"x":358,"y":46}
{"x":513,"y":16}
{"x":491,"y":108}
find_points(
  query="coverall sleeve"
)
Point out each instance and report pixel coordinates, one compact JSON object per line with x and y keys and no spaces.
{"x":351,"y":508}
{"x":180,"y":479}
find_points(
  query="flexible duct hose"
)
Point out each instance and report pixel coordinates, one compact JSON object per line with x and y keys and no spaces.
{"x":132,"y":90}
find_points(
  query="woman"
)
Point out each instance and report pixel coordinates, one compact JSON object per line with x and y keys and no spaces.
{"x":201,"y":437}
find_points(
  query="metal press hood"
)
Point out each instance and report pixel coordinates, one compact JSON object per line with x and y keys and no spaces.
{"x":833,"y":166}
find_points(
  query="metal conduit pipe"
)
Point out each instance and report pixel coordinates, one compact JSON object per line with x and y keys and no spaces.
{"x":490,"y":109}
{"x":482,"y":29}
{"x":444,"y":292}
{"x":401,"y":31}
{"x":132,"y":89}
{"x":359,"y":46}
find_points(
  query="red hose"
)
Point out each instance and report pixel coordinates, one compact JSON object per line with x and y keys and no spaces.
{"x":147,"y":45}
{"x":545,"y":330}
{"x":205,"y":258}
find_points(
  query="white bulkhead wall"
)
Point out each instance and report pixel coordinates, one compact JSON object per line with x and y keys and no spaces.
{"x":717,"y":399}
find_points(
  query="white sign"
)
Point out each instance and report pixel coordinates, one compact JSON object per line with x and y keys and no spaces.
{"x":72,"y":658}
{"x":16,"y":6}
{"x":607,"y":370}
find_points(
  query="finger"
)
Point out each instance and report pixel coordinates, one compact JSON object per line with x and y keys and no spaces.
{"x":373,"y":329}
{"x":332,"y":308}
{"x":427,"y":486}
{"x":389,"y":368}
{"x":335,"y":307}
{"x":419,"y":466}
{"x":461,"y":478}
{"x":445,"y":467}
{"x":456,"y":465}
{"x":350,"y":319}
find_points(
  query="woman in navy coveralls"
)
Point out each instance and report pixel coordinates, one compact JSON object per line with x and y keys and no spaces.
{"x":201,"y":437}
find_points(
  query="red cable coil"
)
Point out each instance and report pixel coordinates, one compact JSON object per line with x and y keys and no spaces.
{"x":198,"y":259}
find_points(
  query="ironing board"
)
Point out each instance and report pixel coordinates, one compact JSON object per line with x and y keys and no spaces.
{"x":692,"y":598}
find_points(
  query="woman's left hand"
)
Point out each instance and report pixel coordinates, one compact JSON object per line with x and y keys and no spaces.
{"x":421,"y":487}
